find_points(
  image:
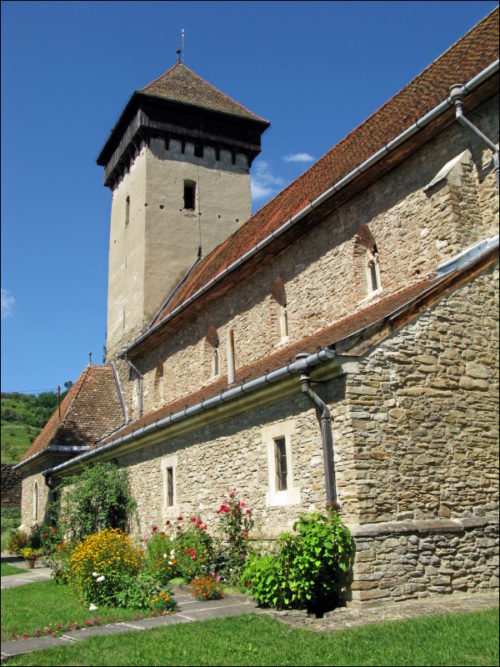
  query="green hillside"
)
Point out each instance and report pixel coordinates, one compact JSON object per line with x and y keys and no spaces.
{"x":23,"y":416}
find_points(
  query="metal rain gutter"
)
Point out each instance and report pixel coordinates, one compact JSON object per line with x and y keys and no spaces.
{"x":394,"y":143}
{"x":269,"y":378}
{"x":52,"y":448}
{"x":461,"y":261}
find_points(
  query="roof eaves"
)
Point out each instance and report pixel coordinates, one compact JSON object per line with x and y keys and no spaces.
{"x":337,"y":348}
{"x":360,"y":169}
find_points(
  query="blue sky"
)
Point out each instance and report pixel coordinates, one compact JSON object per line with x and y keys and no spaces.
{"x":314,"y":69}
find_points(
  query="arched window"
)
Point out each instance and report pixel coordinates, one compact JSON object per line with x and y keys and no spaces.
{"x":158,"y":379}
{"x":281,"y":313}
{"x":366,"y":271}
{"x":35,"y":502}
{"x":372,"y":269}
{"x":212,"y":351}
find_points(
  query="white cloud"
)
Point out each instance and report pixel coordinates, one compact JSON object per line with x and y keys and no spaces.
{"x":7,"y":303}
{"x":299,"y":157}
{"x":263,"y":182}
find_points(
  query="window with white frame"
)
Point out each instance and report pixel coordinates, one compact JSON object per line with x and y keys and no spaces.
{"x":278,"y":441}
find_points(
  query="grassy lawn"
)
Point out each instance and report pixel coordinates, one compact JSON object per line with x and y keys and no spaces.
{"x":46,"y":603}
{"x":11,"y":569}
{"x":462,"y":639}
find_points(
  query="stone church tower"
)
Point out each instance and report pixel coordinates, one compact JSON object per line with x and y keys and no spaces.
{"x":177,"y":163}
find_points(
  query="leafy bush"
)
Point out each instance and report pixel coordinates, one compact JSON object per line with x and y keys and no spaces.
{"x":193,"y":549}
{"x":59,"y":563}
{"x":309,"y":568}
{"x":235,"y":523}
{"x":99,"y":499}
{"x":50,"y":538}
{"x":17,"y":541}
{"x":100,"y":565}
{"x":207,"y":588}
{"x":160,"y":557}
{"x":144,"y":592}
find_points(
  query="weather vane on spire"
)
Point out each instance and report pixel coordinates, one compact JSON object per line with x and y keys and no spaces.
{"x":180,"y":50}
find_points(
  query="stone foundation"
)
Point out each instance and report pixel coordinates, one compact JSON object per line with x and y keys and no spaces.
{"x":414,"y":559}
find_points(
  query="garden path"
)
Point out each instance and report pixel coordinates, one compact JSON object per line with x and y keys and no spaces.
{"x":38,"y":573}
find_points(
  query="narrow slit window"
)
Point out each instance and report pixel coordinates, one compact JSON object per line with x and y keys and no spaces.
{"x":283,"y":321}
{"x":35,"y":503}
{"x":189,"y":195}
{"x":215,"y":366}
{"x":170,"y":487}
{"x":373,"y":275}
{"x":280,"y":464}
{"x":127,"y":210}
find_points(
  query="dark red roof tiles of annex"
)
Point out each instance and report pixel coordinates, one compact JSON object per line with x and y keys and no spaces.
{"x":181,"y":84}
{"x":460,"y":63}
{"x":311,"y":344}
{"x":90,"y":410}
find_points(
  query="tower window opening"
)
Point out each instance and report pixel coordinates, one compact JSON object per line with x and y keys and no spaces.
{"x":198,"y":150}
{"x":127,"y":210}
{"x":189,"y":195}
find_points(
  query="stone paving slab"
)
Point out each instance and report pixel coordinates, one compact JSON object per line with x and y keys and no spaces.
{"x":356,"y":616}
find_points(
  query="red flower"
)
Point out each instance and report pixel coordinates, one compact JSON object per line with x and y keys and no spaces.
{"x":218,"y":511}
{"x":167,"y":522}
{"x":53,"y":529}
{"x":233,"y":512}
{"x":46,"y":534}
{"x":155,"y":528}
{"x":249,"y":511}
{"x":244,"y":533}
{"x":179,"y":518}
{"x":193,"y":519}
{"x":204,"y":527}
{"x":186,"y":552}
{"x":231,"y":495}
{"x":242,"y":504}
{"x":193,"y":553}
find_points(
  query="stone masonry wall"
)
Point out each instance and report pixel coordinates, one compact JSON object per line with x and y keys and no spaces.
{"x":11,"y":486}
{"x":415,"y":229}
{"x":423,"y":419}
{"x":415,"y":559}
{"x":233,"y":454}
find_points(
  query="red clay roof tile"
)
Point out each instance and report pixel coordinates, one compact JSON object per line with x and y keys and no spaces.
{"x":90,"y":410}
{"x":462,"y":61}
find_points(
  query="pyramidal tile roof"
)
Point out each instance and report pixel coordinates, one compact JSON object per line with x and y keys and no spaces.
{"x":90,"y":410}
{"x":181,"y":84}
{"x":461,"y":62}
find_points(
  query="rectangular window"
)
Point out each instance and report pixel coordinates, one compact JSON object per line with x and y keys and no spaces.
{"x":127,"y":210}
{"x":170,"y":487}
{"x":280,"y":464}
{"x":189,"y":195}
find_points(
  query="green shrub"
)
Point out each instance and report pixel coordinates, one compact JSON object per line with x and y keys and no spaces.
{"x":193,"y":549}
{"x":17,"y":541}
{"x":144,"y":592}
{"x":235,"y":524}
{"x":59,"y":563}
{"x":160,"y":557}
{"x":101,"y":564}
{"x":99,"y":499}
{"x":207,"y":588}
{"x":309,"y":569}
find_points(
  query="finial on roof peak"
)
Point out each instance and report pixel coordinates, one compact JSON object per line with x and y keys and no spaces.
{"x":180,"y":49}
{"x":178,"y":55}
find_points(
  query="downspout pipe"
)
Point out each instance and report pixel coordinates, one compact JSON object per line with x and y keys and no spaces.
{"x":324,"y":416}
{"x":140,"y":376}
{"x":456,"y":97}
